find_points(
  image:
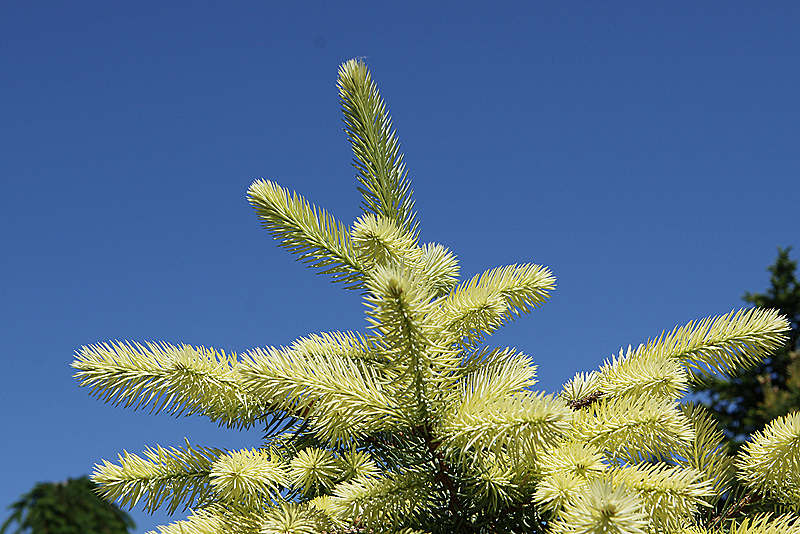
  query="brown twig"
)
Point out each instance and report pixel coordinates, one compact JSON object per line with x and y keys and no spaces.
{"x":747,"y":500}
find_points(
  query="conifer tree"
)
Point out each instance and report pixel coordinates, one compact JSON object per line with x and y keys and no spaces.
{"x":416,"y":424}
{"x":69,"y":507}
{"x":747,"y":401}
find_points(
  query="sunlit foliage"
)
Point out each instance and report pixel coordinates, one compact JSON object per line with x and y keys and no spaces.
{"x":416,"y":425}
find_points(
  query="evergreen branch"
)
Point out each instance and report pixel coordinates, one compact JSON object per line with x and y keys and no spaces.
{"x":399,"y":310}
{"x":384,"y":502}
{"x":199,"y":522}
{"x":343,"y":398}
{"x":642,"y":427}
{"x":581,"y":390}
{"x":734,"y":505}
{"x":721,"y":344}
{"x":770,"y":463}
{"x":348,"y":345}
{"x":378,"y":240}
{"x":66,"y":507}
{"x":486,"y":302}
{"x":179,"y":380}
{"x":565,"y":470}
{"x":627,"y":375}
{"x":314,"y":470}
{"x":766,"y":524}
{"x":306,"y":230}
{"x":670,"y":495}
{"x":494,"y":374}
{"x":514,"y":425}
{"x":490,"y":485}
{"x":295,"y":518}
{"x":248,"y":477}
{"x":557,"y":489}
{"x":355,"y":464}
{"x":439,"y":268}
{"x":381,"y":172}
{"x":284,"y":518}
{"x":599,"y":507}
{"x":180,"y":476}
{"x":577,"y":458}
{"x":706,"y":451}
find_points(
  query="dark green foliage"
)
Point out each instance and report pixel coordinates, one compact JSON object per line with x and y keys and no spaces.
{"x":746,"y":402}
{"x":70,"y":507}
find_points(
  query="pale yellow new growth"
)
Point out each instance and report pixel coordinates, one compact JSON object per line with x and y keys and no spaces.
{"x":291,"y":518}
{"x":636,"y":430}
{"x":764,"y":524}
{"x":575,"y":458}
{"x":181,"y":380}
{"x":326,"y":388}
{"x":630,"y":376}
{"x":379,"y":241}
{"x":351,"y":345}
{"x":382,"y":174}
{"x":706,"y":452}
{"x":771,"y":461}
{"x":720,"y":344}
{"x":599,"y":508}
{"x":415,"y":426}
{"x":175,"y":476}
{"x":566,"y":468}
{"x":516,"y":424}
{"x":671,"y":496}
{"x":557,"y":489}
{"x":484,"y":303}
{"x":383,"y":501}
{"x":313,"y":469}
{"x":248,"y":477}
{"x":200,"y":522}
{"x":501,"y":374}
{"x":580,"y":386}
{"x":306,"y":230}
{"x":493,"y":480}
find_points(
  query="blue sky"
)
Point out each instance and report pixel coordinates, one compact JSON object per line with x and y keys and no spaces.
{"x":648,"y":152}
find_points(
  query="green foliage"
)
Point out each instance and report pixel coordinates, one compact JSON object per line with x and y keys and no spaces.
{"x":416,"y":426}
{"x":755,"y":395}
{"x":71,"y":507}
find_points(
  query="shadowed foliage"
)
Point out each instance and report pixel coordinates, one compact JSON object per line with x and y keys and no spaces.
{"x":70,"y":507}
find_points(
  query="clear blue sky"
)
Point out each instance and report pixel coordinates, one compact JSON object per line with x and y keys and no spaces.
{"x":648,"y":152}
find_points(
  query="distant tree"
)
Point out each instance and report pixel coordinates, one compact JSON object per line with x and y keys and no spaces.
{"x":755,"y":396}
{"x":71,"y":507}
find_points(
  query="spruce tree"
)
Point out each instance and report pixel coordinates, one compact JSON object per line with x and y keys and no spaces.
{"x":69,"y":507}
{"x":416,"y":424}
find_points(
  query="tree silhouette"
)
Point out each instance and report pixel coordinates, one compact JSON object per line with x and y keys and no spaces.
{"x":70,"y":507}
